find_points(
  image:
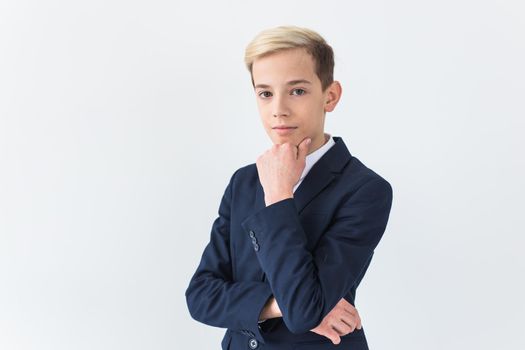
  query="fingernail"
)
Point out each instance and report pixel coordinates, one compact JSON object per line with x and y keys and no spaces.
{"x":308,"y":141}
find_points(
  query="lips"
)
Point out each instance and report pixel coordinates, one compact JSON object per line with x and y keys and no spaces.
{"x":284,"y":130}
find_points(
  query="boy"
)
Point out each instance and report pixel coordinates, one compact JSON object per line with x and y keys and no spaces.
{"x":296,"y":230}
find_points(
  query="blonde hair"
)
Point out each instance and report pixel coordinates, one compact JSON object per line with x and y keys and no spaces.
{"x":288,"y":37}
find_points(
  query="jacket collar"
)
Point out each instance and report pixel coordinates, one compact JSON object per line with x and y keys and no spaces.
{"x":324,"y":171}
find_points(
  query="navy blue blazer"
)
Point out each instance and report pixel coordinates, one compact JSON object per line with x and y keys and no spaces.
{"x":308,"y":252}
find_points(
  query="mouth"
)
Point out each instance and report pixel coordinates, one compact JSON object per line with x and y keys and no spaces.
{"x":284,"y":130}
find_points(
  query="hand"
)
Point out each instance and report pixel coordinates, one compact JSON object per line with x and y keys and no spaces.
{"x":280,"y":168}
{"x":341,"y":320}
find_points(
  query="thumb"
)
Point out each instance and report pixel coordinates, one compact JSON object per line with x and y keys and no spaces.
{"x":302,"y":149}
{"x":333,"y":336}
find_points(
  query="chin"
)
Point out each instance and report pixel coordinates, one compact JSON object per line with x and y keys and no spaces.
{"x":283,"y":139}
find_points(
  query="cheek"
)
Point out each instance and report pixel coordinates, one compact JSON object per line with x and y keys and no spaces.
{"x":263,"y":109}
{"x":310,"y":106}
{"x":265,"y":120}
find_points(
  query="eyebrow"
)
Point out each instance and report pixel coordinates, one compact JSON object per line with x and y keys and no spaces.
{"x":290,"y":83}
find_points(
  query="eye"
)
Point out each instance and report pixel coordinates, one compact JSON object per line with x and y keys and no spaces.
{"x":263,"y":94}
{"x":302,"y":91}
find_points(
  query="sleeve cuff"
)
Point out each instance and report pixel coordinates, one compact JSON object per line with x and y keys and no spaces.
{"x":252,"y":324}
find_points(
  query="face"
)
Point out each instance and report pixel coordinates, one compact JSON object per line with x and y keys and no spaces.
{"x":289,"y":94}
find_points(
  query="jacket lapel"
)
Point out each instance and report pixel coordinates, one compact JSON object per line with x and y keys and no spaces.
{"x":324,"y":171}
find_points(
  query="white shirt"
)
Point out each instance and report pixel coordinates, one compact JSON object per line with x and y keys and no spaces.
{"x":313,"y":157}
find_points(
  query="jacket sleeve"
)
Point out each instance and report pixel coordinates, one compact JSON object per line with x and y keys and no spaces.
{"x":212,"y":296}
{"x":307,"y":285}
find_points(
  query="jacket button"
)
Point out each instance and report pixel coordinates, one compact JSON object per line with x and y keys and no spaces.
{"x":254,"y":240}
{"x":256,"y":247}
{"x":253,"y":343}
{"x":252,"y":234}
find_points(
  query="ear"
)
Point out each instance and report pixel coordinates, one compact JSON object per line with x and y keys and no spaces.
{"x":332,"y":96}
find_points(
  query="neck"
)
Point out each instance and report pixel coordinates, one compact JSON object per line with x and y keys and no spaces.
{"x":318,"y":143}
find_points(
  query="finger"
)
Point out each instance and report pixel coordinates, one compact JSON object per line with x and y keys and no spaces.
{"x":350,"y":321}
{"x":357,"y":317}
{"x":302,"y":149}
{"x":333,"y":336}
{"x":325,"y":329}
{"x":350,"y":309}
{"x":342,"y":328}
{"x":359,"y":325}
{"x":343,"y":302}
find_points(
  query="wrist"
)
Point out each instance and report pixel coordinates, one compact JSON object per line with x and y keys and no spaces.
{"x":274,"y":198}
{"x":276,"y":311}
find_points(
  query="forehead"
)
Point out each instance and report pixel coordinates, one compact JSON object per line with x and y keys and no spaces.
{"x":280,"y":67}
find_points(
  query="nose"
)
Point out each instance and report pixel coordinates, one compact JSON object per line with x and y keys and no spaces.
{"x":279,"y":107}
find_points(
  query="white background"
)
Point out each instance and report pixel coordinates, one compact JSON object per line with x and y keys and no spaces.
{"x":122,"y":121}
